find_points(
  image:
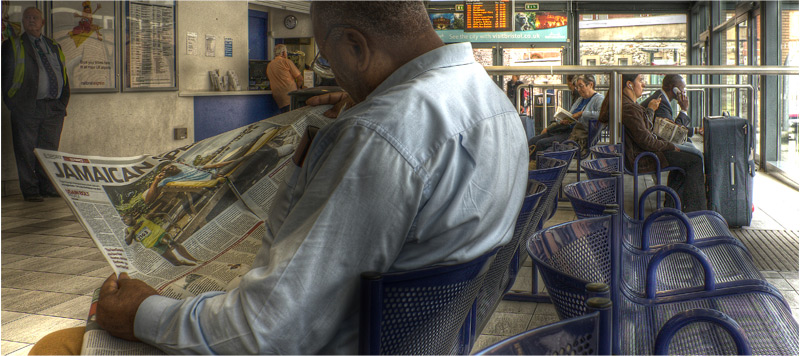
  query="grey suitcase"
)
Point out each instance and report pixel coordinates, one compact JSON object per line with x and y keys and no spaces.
{"x":729,"y":166}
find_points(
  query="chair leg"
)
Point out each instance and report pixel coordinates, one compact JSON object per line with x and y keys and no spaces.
{"x":532,"y":296}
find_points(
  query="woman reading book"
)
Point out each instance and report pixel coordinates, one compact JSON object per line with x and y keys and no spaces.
{"x":585,"y":108}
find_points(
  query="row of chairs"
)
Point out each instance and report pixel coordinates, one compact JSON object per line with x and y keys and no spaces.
{"x":672,"y":290}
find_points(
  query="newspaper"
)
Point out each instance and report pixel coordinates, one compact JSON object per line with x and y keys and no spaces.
{"x":670,"y":131}
{"x":186,"y":221}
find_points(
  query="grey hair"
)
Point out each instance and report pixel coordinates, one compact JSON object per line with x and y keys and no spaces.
{"x":280,"y":49}
{"x":586,"y":78}
{"x":395,"y":21}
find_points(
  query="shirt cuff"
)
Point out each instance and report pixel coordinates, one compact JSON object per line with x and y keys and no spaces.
{"x":684,"y":112}
{"x":146,"y":324}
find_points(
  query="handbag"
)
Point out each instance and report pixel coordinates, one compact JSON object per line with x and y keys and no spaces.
{"x":668,"y":130}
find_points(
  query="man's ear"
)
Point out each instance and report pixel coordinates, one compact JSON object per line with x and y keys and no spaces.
{"x":356,"y":46}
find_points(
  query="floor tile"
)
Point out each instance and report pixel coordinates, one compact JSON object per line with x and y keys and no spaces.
{"x":23,"y":351}
{"x":485,"y":341}
{"x":780,"y":283}
{"x":103,"y":272}
{"x":7,"y":347}
{"x":31,"y":280}
{"x":75,"y":308}
{"x":507,"y":306}
{"x":7,"y":258}
{"x":32,"y":301}
{"x":9,"y":316}
{"x":541,"y":320}
{"x":545,"y":309}
{"x":54,"y":240}
{"x":507,"y":324}
{"x":771,"y":274}
{"x":792,"y":298}
{"x":77,"y":253}
{"x":56,"y":265}
{"x":29,"y":249}
{"x":33,"y":327}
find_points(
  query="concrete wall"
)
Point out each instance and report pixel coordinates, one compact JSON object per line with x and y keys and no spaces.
{"x":127,"y":124}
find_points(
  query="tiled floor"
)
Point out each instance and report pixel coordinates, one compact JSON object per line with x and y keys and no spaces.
{"x":50,"y":268}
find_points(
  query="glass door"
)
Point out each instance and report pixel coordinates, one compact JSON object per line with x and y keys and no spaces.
{"x":538,"y":101}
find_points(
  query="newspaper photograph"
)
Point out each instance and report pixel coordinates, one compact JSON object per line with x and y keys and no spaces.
{"x":186,"y":221}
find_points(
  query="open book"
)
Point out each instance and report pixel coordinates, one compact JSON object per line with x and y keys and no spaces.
{"x":186,"y":221}
{"x":562,"y":114}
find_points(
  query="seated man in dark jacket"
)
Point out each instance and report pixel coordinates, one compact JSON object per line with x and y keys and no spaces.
{"x":673,"y":87}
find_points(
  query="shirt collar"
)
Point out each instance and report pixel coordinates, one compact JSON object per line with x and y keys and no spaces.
{"x":445,"y":56}
{"x":32,"y":38}
{"x":664,"y":94}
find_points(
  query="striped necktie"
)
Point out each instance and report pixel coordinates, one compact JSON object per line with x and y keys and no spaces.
{"x":52,"y":91}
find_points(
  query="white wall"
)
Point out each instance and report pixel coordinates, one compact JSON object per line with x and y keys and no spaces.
{"x":127,"y":124}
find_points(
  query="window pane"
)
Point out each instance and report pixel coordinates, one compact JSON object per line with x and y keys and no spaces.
{"x":633,"y":27}
{"x":789,"y":105}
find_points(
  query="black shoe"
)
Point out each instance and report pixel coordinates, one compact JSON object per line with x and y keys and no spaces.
{"x":34,"y":198}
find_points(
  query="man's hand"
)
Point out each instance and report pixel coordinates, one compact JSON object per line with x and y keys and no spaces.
{"x":119,"y":301}
{"x":340,"y":101}
{"x":683,"y":101}
{"x":565,"y":122}
{"x":653,"y":104}
{"x":577,"y":115}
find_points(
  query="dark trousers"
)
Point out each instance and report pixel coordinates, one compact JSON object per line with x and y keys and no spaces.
{"x":691,"y":187}
{"x":285,"y":109}
{"x":38,"y":129}
{"x":545,"y":140}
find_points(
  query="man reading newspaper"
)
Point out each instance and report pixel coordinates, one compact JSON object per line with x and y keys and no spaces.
{"x":426,"y":166}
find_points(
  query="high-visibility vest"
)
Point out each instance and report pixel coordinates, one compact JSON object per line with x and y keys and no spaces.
{"x":19,"y":63}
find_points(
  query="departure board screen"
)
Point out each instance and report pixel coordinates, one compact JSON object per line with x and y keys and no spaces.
{"x":486,"y":16}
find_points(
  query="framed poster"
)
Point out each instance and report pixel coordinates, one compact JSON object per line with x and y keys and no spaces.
{"x":12,"y":16}
{"x":86,"y":31}
{"x":149,"y":50}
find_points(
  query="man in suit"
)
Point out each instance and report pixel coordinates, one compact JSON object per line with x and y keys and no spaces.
{"x":36,"y":91}
{"x":673,"y":87}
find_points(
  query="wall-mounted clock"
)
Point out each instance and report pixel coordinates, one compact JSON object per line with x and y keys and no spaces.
{"x":290,"y":22}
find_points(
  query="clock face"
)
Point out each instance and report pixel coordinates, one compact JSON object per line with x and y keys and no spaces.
{"x":290,"y":22}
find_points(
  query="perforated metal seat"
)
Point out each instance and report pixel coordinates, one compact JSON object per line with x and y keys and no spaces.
{"x":503,"y":272}
{"x":600,"y":167}
{"x":565,"y":151}
{"x":550,"y":172}
{"x":425,"y":311}
{"x":598,"y":197}
{"x":584,"y":335}
{"x":573,"y":254}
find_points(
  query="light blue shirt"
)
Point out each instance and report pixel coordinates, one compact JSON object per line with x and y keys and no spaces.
{"x":591,"y":111}
{"x":430,"y":169}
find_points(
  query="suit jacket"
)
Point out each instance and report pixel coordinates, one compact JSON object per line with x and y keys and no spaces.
{"x":665,"y":110}
{"x":25,"y":99}
{"x":639,"y":137}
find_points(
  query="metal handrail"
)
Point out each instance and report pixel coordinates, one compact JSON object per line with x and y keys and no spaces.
{"x":615,"y":78}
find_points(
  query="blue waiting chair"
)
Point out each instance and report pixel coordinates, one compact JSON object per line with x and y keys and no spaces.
{"x":588,"y":334}
{"x":425,"y":311}
{"x":550,"y":172}
{"x":572,"y":254}
{"x":564,"y":151}
{"x":502,"y":273}
{"x":597,"y":196}
{"x":611,"y":151}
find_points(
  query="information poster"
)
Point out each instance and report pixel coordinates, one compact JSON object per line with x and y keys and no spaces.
{"x":150,"y":56}
{"x":538,"y":26}
{"x":487,"y":16}
{"x":86,"y":32}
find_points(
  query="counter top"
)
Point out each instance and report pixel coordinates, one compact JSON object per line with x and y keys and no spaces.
{"x":191,"y":93}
